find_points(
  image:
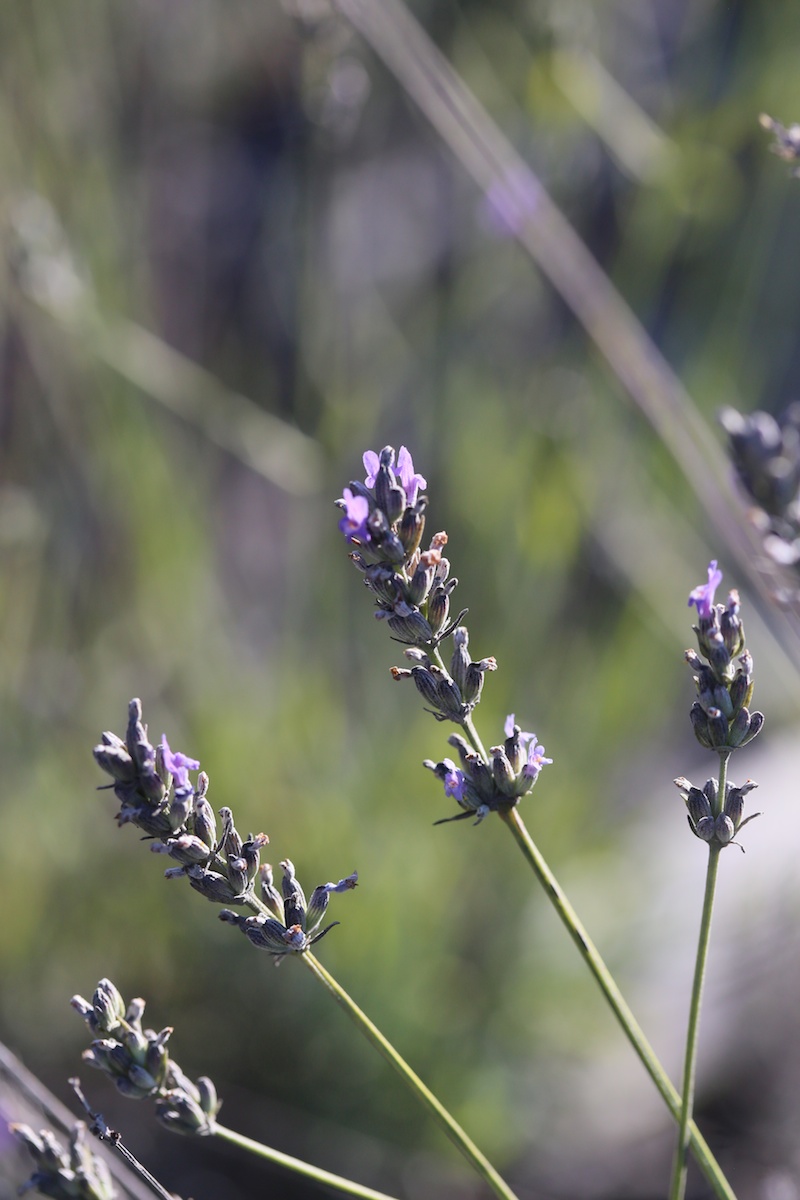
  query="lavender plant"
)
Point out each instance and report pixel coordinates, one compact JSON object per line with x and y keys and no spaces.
{"x":383,"y":520}
{"x":723,"y":723}
{"x":155,"y":793}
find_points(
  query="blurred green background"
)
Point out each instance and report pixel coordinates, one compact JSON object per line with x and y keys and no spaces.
{"x":236,"y":256}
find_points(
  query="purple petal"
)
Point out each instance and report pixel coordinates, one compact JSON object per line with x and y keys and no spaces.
{"x":536,"y":759}
{"x":454,"y":781}
{"x":353,"y":523}
{"x":179,"y":765}
{"x":410,"y":481}
{"x":371,"y":462}
{"x":703,"y":595}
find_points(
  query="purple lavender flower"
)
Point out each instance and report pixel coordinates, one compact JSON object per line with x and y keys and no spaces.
{"x":703,"y":595}
{"x":509,"y":727}
{"x":411,"y":482}
{"x":178,"y":765}
{"x":536,"y":758}
{"x":454,"y":781}
{"x":372,"y":462}
{"x":354,"y":522}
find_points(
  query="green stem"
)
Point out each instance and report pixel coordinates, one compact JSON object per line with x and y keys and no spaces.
{"x":448,"y":1123}
{"x":680,"y":1164}
{"x":337,"y":1182}
{"x":617,"y":1002}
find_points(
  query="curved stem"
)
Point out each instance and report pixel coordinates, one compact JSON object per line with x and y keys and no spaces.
{"x":616,"y":1001}
{"x":448,"y":1123}
{"x":298,"y":1166}
{"x":680,"y":1163}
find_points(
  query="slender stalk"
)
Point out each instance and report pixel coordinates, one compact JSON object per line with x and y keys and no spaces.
{"x":617,"y":1002}
{"x":680,"y":1163}
{"x":448,"y":1123}
{"x":337,"y":1182}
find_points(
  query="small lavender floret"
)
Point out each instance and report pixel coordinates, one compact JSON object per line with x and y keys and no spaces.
{"x":411,"y":481}
{"x":703,"y":595}
{"x":179,"y":765}
{"x":354,"y":522}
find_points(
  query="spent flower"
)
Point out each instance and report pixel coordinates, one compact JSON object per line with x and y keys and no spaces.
{"x":294,"y":927}
{"x":710,"y":821}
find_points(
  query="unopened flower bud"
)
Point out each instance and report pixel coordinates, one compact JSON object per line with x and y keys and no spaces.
{"x":502,"y":772}
{"x":213,"y":886}
{"x":459,"y":664}
{"x":269,"y":893}
{"x":473,"y":684}
{"x":205,"y":822}
{"x":412,"y":526}
{"x":697,"y":716}
{"x":723,"y":829}
{"x":439,"y":605}
{"x":717,"y":728}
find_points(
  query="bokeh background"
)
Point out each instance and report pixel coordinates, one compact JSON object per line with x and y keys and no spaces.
{"x":235,"y":257}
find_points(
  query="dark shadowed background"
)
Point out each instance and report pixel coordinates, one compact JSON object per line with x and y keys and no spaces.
{"x":235,"y":257}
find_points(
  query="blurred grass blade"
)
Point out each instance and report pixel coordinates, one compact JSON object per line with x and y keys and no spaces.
{"x":47,"y":273}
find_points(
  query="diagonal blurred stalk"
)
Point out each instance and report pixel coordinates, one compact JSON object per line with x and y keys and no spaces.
{"x":489,"y":157}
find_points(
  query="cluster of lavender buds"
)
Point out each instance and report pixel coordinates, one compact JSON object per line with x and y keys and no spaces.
{"x":156,"y":794}
{"x":765,"y":453}
{"x":384,"y":518}
{"x":295,"y":924}
{"x":787,"y":140}
{"x":73,"y":1174}
{"x":139,"y":1064}
{"x":707,"y":819}
{"x":480,"y":787}
{"x":720,"y":716}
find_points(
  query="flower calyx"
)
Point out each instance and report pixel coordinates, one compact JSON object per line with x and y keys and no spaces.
{"x":480,"y":787}
{"x":712,"y":822}
{"x":138,"y":1062}
{"x":449,"y":696}
{"x":294,"y":925}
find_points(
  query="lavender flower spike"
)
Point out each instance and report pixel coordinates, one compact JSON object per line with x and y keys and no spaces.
{"x":703,"y":595}
{"x":179,"y":765}
{"x":354,"y":522}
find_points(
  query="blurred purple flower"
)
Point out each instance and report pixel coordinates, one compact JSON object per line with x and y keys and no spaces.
{"x":354,"y":522}
{"x":179,"y":765}
{"x":703,"y":595}
{"x":372,"y":462}
{"x":510,"y":200}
